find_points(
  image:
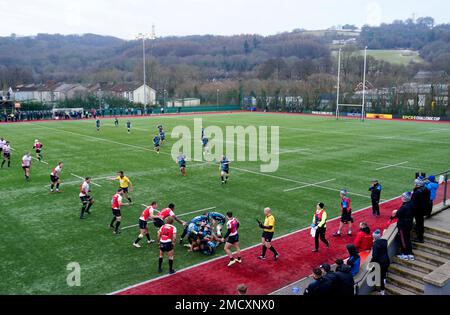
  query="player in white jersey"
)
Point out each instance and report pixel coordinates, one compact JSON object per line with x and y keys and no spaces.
{"x":26,"y":165}
{"x":54,"y":177}
{"x":2,"y":143}
{"x":85,"y":197}
{"x":6,"y":154}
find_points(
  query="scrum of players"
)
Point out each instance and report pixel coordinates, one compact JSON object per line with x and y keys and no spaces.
{"x":203,"y":233}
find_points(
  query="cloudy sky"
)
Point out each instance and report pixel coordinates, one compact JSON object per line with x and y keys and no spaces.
{"x":126,"y":18}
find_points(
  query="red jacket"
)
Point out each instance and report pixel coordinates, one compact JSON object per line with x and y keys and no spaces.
{"x":363,"y":240}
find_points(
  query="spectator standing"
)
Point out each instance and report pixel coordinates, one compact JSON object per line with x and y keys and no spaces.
{"x":320,"y":221}
{"x":380,"y":256}
{"x":332,"y":277}
{"x":405,"y":216}
{"x":421,"y":200}
{"x":375,"y":190}
{"x":363,"y":240}
{"x":433,"y":187}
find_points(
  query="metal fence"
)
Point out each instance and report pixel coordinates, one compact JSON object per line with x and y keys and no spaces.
{"x":443,"y":192}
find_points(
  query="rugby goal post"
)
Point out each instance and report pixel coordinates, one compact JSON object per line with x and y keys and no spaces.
{"x":357,"y":109}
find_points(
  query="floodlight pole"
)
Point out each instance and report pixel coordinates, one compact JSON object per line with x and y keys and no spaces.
{"x":145,"y":74}
{"x":338,"y":84}
{"x":364,"y":86}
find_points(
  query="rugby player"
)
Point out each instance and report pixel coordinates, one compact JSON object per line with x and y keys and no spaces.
{"x":160,"y":128}
{"x":125,"y":184}
{"x":116,"y":122}
{"x":162,"y":136}
{"x":116,"y":203}
{"x":224,"y":169}
{"x":54,"y":177}
{"x":205,"y":142}
{"x":267,"y":236}
{"x":158,"y":222}
{"x":26,"y":165}
{"x":156,"y":143}
{"x":346,"y":217}
{"x":217,"y":221}
{"x":129,"y":126}
{"x":38,"y":148}
{"x":2,"y":143}
{"x":97,"y":123}
{"x":6,"y":154}
{"x":232,"y":239}
{"x":182,"y":163}
{"x":86,"y":199}
{"x":197,"y":221}
{"x":146,"y":216}
{"x":167,"y":237}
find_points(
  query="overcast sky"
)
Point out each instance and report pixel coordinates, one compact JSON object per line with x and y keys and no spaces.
{"x":126,"y":18}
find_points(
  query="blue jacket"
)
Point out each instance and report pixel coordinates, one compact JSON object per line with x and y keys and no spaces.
{"x":433,"y":188}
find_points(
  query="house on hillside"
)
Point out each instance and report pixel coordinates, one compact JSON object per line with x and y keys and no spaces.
{"x":66,"y":91}
{"x":24,"y":92}
{"x":144,"y":92}
{"x":429,"y":76}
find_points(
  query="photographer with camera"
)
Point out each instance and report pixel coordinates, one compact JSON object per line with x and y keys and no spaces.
{"x":268,"y":231}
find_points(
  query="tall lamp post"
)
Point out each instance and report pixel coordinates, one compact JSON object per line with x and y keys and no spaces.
{"x":144,"y":37}
{"x":218,"y":91}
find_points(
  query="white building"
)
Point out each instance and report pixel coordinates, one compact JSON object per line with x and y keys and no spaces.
{"x":140,"y":97}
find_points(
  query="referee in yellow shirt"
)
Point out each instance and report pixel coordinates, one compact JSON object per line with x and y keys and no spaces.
{"x":268,"y":231}
{"x":124,"y":184}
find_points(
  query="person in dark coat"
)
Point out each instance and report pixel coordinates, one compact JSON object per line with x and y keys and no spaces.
{"x":380,"y":256}
{"x":320,"y":287}
{"x":405,"y":216}
{"x":421,"y":200}
{"x":375,"y":195}
{"x":331,"y":275}
{"x":346,"y":283}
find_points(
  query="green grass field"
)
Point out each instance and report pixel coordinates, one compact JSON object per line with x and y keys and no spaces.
{"x":42,"y":232}
{"x":403,"y":57}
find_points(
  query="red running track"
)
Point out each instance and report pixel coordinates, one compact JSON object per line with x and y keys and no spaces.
{"x":263,"y":277}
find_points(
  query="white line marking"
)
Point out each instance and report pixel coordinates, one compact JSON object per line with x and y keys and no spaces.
{"x":224,"y":256}
{"x":391,"y":165}
{"x":310,"y":185}
{"x":84,"y":179}
{"x":181,"y":215}
{"x":385,"y":164}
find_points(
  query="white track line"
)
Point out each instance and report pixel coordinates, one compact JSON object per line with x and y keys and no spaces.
{"x":181,"y":215}
{"x":391,"y":165}
{"x":310,"y":185}
{"x":84,"y":179}
{"x":224,"y":256}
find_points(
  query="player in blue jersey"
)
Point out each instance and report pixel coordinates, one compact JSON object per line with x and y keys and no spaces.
{"x":156,"y":143}
{"x":224,"y":169}
{"x":217,"y":221}
{"x":182,"y":163}
{"x":116,"y":122}
{"x":97,"y":124}
{"x":129,"y":126}
{"x":198,"y":221}
{"x":162,"y":135}
{"x":203,"y":133}
{"x":205,"y":142}
{"x":160,"y":128}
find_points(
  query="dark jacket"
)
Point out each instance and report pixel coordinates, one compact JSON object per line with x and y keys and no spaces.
{"x":376,"y":192}
{"x":380,"y":253}
{"x":319,"y":287}
{"x":334,"y":282}
{"x":405,"y":215}
{"x":346,"y":282}
{"x":421,"y":199}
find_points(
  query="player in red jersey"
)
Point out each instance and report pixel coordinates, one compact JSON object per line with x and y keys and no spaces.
{"x":167,"y":238}
{"x":26,"y":165}
{"x":54,"y":177}
{"x":147,"y":215}
{"x":116,"y":203}
{"x":346,"y":217}
{"x":232,"y":239}
{"x":38,"y":148}
{"x":86,"y":199}
{"x":164,"y":214}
